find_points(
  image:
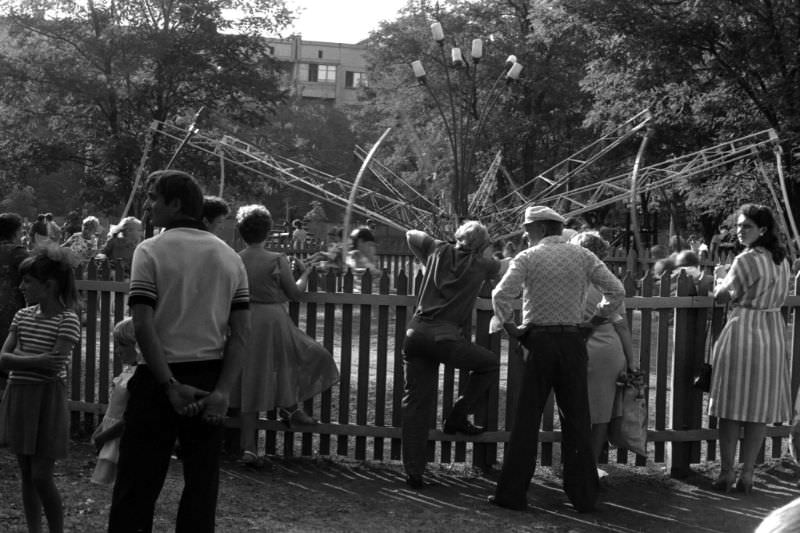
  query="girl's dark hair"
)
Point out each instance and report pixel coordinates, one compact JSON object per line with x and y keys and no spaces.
{"x":54,"y":263}
{"x":9,"y":225}
{"x":253,"y":223}
{"x":762,"y":216}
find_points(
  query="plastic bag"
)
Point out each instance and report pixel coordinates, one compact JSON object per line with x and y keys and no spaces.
{"x":628,"y":428}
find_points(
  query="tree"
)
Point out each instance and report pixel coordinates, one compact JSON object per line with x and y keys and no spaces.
{"x":538,"y":123}
{"x":711,"y":70}
{"x":91,"y":76}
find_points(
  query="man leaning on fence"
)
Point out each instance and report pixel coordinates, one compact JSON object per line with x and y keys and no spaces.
{"x":554,"y":277}
{"x":454,"y":275}
{"x":189,"y":300}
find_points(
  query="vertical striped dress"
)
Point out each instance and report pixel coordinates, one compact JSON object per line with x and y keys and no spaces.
{"x":750,"y":381}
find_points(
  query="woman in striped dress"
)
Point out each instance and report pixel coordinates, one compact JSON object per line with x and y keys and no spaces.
{"x":750,"y":382}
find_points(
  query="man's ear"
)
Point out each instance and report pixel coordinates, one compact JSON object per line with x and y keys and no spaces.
{"x":176,"y":206}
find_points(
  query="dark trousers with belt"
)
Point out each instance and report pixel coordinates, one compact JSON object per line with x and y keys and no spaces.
{"x":426,"y":345}
{"x":557,"y":362}
{"x":147,"y":443}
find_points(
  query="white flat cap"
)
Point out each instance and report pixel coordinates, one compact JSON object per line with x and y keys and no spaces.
{"x":536,"y":213}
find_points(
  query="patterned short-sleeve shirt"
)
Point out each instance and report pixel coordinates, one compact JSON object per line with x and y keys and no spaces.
{"x":37,"y":334}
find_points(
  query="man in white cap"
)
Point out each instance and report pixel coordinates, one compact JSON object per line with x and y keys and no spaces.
{"x":554,"y":277}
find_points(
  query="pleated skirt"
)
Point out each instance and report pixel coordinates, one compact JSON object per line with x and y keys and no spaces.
{"x":750,"y":379}
{"x":283,"y":366}
{"x":34,"y":419}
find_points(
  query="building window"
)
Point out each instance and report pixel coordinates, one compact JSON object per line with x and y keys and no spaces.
{"x":321,"y":73}
{"x":319,"y":54}
{"x":353,"y":80}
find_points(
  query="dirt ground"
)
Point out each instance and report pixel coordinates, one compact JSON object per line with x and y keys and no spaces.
{"x":331,"y":495}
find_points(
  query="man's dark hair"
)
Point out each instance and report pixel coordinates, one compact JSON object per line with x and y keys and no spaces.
{"x":10,"y":223}
{"x":214,"y":206}
{"x":175,"y":184}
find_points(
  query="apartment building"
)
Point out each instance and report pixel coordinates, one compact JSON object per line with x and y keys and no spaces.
{"x":320,"y":70}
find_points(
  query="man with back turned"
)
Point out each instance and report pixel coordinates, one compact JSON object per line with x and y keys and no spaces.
{"x":554,"y":277}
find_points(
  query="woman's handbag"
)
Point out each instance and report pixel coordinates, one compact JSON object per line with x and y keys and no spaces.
{"x":628,"y":428}
{"x":702,"y":380}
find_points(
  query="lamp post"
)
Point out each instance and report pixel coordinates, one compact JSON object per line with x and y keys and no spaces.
{"x":465,"y":111}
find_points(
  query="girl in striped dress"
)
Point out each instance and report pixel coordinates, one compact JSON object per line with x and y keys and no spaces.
{"x":34,"y":420}
{"x":750,"y":382}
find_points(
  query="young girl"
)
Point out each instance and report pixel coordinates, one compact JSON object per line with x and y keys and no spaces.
{"x":34,"y":420}
{"x":107,"y":435}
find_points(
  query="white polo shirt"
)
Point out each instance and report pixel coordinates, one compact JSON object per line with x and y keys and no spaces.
{"x":193,"y":280}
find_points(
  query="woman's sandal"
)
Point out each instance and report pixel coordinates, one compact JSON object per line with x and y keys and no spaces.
{"x":745,"y":483}
{"x":298,"y":417}
{"x":249,"y":458}
{"x":724,"y":483}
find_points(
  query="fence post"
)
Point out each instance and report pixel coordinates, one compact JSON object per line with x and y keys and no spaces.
{"x":484,"y":456}
{"x":686,"y":401}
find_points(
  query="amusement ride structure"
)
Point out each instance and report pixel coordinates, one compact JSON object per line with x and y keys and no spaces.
{"x":389,"y":200}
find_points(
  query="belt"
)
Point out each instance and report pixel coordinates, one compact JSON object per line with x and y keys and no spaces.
{"x":559,"y":328}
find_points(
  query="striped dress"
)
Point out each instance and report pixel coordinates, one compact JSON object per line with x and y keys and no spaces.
{"x":751,"y":363}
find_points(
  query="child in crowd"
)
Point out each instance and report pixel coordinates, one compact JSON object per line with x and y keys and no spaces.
{"x":34,"y":420}
{"x":299,"y":235}
{"x":106,"y":437}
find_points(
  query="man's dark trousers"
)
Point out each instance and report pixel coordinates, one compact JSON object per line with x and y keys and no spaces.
{"x":422,"y":353}
{"x":557,"y":361}
{"x":151,"y":429}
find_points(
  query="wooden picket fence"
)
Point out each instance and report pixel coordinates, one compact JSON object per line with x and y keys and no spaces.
{"x":362,"y":321}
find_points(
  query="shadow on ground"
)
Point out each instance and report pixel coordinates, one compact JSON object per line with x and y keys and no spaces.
{"x":324,"y":494}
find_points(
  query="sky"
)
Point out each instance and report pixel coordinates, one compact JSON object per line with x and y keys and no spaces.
{"x":340,"y":21}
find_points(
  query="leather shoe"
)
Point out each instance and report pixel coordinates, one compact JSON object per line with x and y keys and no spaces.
{"x":417,"y":482}
{"x":462,"y":425}
{"x":500,"y":503}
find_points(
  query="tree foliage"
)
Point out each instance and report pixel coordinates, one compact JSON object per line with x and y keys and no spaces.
{"x":535,"y":122}
{"x":84,"y":80}
{"x":711,"y":71}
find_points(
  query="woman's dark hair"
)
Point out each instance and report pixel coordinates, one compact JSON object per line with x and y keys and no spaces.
{"x":762,"y":216}
{"x":214,"y":206}
{"x":175,"y":184}
{"x":10,"y":223}
{"x":253,"y":223}
{"x":54,"y":263}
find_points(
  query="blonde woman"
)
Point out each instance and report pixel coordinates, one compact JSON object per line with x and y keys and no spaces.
{"x":84,"y":243}
{"x":609,"y":348}
{"x":122,"y":240}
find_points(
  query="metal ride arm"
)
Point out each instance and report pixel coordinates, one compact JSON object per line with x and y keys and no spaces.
{"x":480,"y":199}
{"x":384,"y":207}
{"x":653,"y":177}
{"x":560,"y":174}
{"x":556,"y":179}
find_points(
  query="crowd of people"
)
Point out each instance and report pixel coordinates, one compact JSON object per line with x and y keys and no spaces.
{"x":198,"y":356}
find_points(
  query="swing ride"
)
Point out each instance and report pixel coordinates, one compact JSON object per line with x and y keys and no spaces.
{"x":389,"y":200}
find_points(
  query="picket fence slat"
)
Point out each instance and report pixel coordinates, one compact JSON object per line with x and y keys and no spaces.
{"x":671,"y":324}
